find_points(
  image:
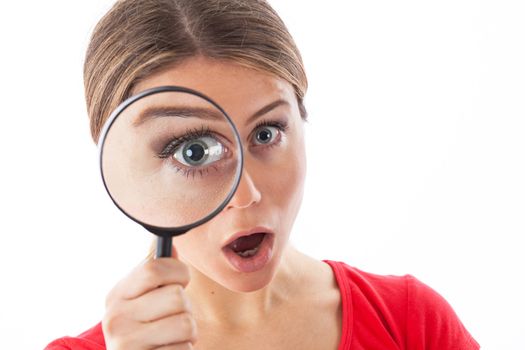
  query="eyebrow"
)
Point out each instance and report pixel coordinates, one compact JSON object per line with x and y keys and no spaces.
{"x":266,"y":109}
{"x":196,"y":112}
{"x":181,"y":112}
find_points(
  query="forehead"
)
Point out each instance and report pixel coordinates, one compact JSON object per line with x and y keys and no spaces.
{"x":238,"y":89}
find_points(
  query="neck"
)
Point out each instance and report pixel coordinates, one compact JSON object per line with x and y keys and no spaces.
{"x":214,"y":304}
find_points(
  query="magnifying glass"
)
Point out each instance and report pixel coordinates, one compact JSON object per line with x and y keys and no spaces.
{"x":170,"y":159}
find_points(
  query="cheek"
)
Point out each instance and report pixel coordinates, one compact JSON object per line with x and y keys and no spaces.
{"x":284,"y":178}
{"x":188,"y":245}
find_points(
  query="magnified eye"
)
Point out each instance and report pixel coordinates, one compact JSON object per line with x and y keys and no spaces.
{"x":196,"y":152}
{"x":266,"y":134}
{"x":199,"y":152}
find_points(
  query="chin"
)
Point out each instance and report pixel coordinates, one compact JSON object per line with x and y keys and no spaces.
{"x":250,"y":282}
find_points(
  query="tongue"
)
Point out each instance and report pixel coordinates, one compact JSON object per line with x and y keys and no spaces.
{"x":247,"y":242}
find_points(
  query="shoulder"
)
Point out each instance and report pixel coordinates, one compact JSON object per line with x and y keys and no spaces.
{"x":403,"y":307}
{"x":385,"y":293}
{"x":92,"y":339}
{"x":432,"y":321}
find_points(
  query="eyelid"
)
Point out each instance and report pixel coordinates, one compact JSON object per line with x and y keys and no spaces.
{"x":174,"y":142}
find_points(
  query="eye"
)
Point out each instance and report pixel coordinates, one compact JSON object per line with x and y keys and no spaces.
{"x":199,"y":152}
{"x":266,"y":134}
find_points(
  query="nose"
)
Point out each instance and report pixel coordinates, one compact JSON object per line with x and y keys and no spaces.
{"x":247,"y":193}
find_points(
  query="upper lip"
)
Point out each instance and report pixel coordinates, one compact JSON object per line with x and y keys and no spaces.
{"x":239,"y":234}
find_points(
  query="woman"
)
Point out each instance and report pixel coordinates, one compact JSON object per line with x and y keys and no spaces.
{"x":239,"y":53}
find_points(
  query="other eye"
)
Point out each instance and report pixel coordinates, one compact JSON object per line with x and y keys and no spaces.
{"x":266,"y":134}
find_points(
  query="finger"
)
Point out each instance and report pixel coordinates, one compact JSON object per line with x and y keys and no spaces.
{"x":174,"y":329}
{"x":174,"y":253}
{"x":149,"y":276}
{"x":179,"y":346}
{"x":160,"y":303}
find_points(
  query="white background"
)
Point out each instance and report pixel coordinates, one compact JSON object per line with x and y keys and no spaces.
{"x":415,"y":148}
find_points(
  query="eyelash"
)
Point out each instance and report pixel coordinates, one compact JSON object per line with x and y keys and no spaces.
{"x":176,"y":141}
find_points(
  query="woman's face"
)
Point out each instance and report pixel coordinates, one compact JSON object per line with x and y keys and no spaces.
{"x":271,"y":188}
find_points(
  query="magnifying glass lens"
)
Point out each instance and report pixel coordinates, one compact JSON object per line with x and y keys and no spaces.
{"x":170,"y":159}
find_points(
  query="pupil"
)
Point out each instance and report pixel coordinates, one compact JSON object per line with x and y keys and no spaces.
{"x":194,"y":153}
{"x":264,"y":136}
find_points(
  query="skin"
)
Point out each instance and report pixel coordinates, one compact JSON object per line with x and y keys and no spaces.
{"x":216,"y":298}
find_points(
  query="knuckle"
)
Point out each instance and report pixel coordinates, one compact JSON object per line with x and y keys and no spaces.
{"x":118,"y":332}
{"x":183,"y":274}
{"x":186,"y":305}
{"x":178,"y":346}
{"x":187,"y":326}
{"x":176,"y":298}
{"x":186,"y":346}
{"x":111,"y":324}
{"x":152,"y":274}
{"x":178,"y":290}
{"x":150,"y":270}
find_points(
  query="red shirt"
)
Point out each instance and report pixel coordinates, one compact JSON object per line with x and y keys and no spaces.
{"x":379,"y":313}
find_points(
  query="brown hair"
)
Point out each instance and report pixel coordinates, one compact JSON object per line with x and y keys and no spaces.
{"x":137,"y":38}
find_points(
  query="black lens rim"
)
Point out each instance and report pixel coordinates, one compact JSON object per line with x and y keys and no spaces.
{"x":158,"y":230}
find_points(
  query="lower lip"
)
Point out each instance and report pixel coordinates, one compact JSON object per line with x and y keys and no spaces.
{"x":253,"y":263}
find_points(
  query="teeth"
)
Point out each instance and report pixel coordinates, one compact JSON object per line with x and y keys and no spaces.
{"x":250,"y":252}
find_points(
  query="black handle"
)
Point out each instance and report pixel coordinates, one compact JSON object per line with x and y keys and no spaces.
{"x":164,"y":245}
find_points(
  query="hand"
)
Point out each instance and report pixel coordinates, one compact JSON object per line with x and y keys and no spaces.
{"x":149,"y":309}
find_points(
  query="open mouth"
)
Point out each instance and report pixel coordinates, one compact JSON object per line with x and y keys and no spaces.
{"x":247,"y":246}
{"x":250,"y":252}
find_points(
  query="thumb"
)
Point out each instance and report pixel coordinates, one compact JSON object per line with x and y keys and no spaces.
{"x":174,"y":253}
